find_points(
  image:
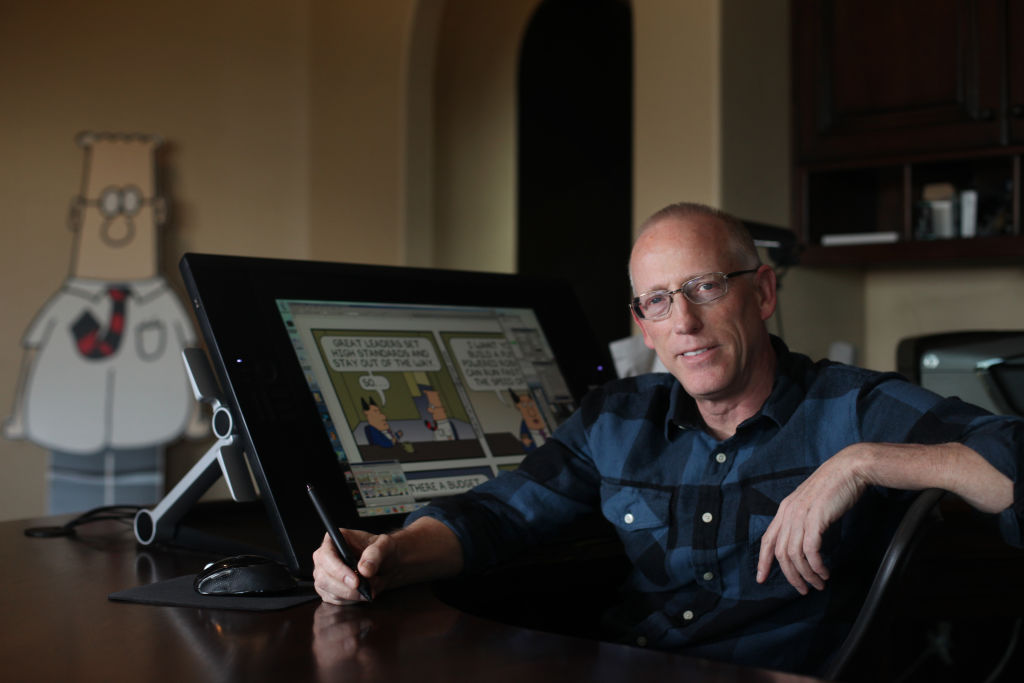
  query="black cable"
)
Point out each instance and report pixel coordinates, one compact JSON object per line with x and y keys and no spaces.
{"x":120,"y":513}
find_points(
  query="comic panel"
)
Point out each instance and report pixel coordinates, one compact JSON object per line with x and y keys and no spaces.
{"x":397,"y":396}
{"x":509,"y":409}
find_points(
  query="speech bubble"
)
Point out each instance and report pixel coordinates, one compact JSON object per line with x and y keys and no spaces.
{"x":488,"y":364}
{"x":374,"y":383}
{"x":444,"y":486}
{"x":379,"y":354}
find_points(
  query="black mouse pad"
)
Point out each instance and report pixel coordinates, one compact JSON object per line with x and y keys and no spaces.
{"x":178,"y":592}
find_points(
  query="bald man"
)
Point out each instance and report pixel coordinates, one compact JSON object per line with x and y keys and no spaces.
{"x":746,"y":485}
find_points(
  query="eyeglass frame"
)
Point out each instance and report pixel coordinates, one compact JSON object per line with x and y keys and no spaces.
{"x":120,"y":192}
{"x":634,"y":305}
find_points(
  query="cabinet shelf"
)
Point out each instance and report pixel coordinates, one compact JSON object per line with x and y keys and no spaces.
{"x":961,"y":252}
{"x":886,"y":197}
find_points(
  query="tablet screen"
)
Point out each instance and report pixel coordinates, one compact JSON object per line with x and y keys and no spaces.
{"x":425,"y":401}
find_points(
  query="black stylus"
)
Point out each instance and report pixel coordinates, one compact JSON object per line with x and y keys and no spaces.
{"x":347,"y":556}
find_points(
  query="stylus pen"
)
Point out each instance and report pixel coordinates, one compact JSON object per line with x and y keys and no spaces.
{"x":347,"y":556}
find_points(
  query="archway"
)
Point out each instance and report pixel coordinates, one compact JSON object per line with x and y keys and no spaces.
{"x":575,"y":122}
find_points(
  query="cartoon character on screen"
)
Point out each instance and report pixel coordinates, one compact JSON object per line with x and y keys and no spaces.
{"x":378,"y":431}
{"x":103,"y":384}
{"x":439,"y":423}
{"x":532,"y":430}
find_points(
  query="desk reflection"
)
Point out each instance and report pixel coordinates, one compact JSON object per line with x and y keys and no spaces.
{"x":368,"y":640}
{"x":67,"y":630}
{"x":410,"y":635}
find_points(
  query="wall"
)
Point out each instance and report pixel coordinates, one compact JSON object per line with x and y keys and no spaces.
{"x":294,"y":132}
{"x":677,"y":106}
{"x":225,"y":83}
{"x":358,"y":53}
{"x":475,"y":143}
{"x":421,"y":69}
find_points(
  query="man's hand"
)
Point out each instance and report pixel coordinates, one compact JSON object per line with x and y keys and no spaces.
{"x":423,"y":551}
{"x":794,"y":536}
{"x":333,"y":579}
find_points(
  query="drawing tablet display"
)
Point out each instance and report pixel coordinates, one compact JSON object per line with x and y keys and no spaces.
{"x":386,"y":387}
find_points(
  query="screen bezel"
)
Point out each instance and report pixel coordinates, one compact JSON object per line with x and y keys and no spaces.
{"x":263,"y":383}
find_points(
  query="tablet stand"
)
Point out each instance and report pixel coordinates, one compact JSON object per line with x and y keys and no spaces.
{"x":224,"y":457}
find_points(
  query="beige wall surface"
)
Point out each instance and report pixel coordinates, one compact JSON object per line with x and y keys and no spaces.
{"x":676,"y":104}
{"x":357,"y":99}
{"x":224,"y":83}
{"x":475,"y":143}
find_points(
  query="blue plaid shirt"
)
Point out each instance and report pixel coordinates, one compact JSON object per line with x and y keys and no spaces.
{"x":690,"y":510}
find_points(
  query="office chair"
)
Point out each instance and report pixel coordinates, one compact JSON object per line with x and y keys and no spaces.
{"x":893,"y":561}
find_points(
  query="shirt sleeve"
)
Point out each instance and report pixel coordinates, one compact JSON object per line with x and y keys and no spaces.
{"x":554,"y":486}
{"x":898,"y":411}
{"x":45,"y":320}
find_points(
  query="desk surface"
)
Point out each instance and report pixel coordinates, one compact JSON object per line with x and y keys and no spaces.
{"x":60,"y":626}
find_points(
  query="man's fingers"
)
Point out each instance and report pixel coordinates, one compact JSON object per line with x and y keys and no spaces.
{"x":801,"y":563}
{"x":767,"y":554}
{"x":789,"y":561}
{"x":775,"y":547}
{"x":372,"y":558}
{"x":333,"y":581}
{"x":793,"y":576}
{"x":812,"y":551}
{"x":796,"y":551}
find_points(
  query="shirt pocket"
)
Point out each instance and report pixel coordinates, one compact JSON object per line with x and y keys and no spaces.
{"x":635,"y":508}
{"x":642,"y":517}
{"x":151,"y":340}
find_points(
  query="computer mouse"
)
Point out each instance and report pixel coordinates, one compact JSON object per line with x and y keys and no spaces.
{"x":244,"y":575}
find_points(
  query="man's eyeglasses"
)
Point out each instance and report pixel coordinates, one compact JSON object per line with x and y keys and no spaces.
{"x":702,"y":289}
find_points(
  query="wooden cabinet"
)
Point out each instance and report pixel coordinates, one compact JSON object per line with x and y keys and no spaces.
{"x":880,"y":77}
{"x":893,"y":97}
{"x":1015,"y":61}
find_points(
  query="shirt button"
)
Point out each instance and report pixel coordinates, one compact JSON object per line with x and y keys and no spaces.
{"x":708,"y":576}
{"x":688,"y":615}
{"x":629,"y":518}
{"x":721,"y":458}
{"x":706,"y":518}
{"x":641,"y":641}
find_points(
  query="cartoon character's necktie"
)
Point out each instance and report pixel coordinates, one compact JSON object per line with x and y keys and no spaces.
{"x":86,"y":330}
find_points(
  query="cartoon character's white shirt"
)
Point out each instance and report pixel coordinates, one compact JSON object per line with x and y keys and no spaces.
{"x":444,"y":431}
{"x":138,"y":396}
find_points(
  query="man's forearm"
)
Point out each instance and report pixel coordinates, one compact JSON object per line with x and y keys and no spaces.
{"x":426,"y":550}
{"x":951,"y":466}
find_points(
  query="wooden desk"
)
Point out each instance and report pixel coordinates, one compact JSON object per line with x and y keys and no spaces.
{"x":60,"y":626}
